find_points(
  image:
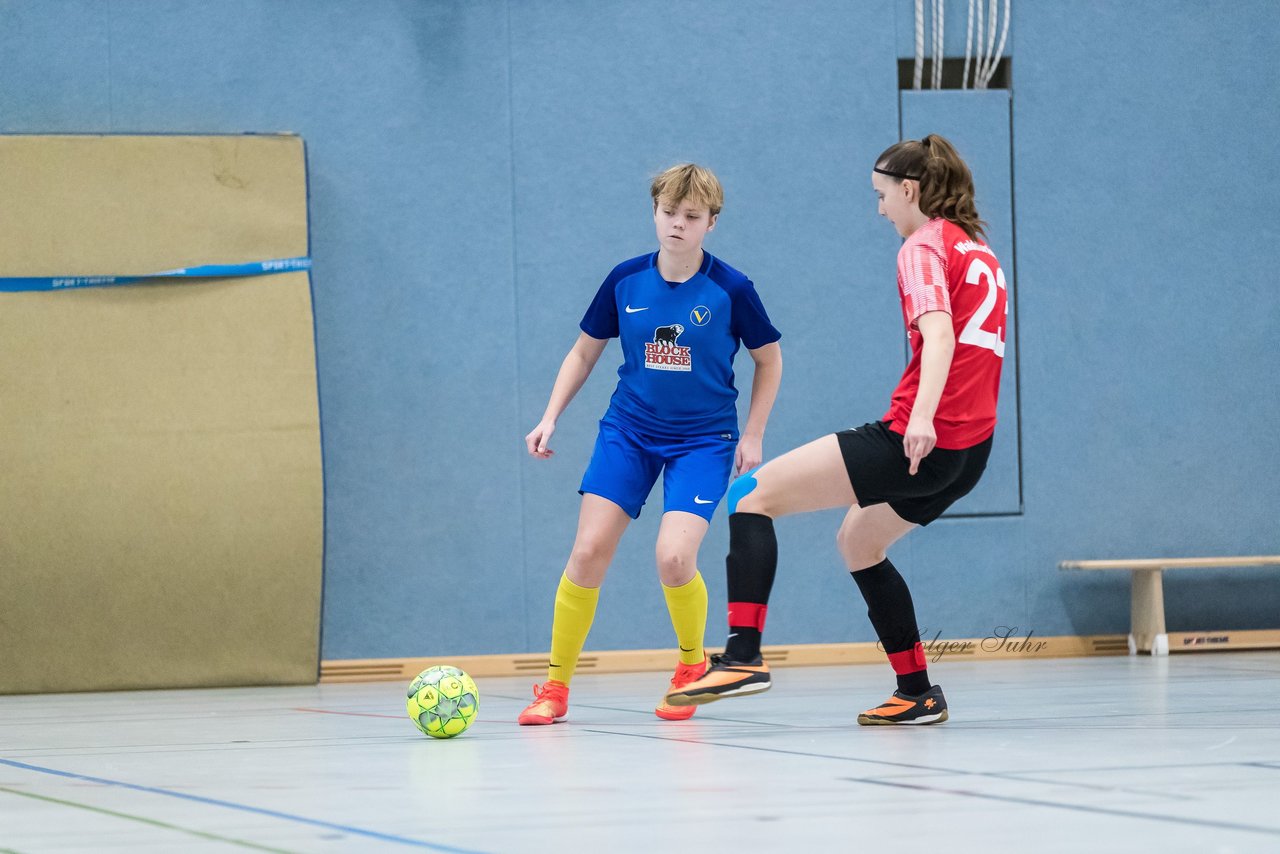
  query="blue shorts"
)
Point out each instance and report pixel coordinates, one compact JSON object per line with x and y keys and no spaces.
{"x":625,"y":465}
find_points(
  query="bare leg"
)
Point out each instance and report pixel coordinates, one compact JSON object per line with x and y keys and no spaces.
{"x":600,"y":527}
{"x":865,"y":535}
{"x":601,"y":524}
{"x":679,"y":538}
{"x":811,"y":477}
{"x":867,"y":532}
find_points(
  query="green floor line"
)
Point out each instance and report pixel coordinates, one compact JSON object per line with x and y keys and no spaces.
{"x":142,"y":820}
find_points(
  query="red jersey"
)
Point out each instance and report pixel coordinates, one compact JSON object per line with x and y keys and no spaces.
{"x":940,"y":268}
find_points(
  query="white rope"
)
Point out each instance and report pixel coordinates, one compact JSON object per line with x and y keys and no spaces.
{"x":933,"y":43}
{"x":993,"y":12}
{"x":940,"y":47}
{"x":968,"y":49}
{"x":979,"y":58}
{"x":919,"y":68}
{"x":995,"y":57}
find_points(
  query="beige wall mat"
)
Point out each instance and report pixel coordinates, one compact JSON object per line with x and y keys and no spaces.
{"x":161,"y":495}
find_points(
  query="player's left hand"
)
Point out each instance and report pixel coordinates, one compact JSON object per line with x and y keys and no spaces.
{"x":918,"y":441}
{"x":750,"y":454}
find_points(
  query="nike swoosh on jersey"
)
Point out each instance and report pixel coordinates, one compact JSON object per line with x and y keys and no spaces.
{"x":699,"y":500}
{"x":631,"y":310}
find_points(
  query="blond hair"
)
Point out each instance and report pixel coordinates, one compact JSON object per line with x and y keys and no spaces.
{"x":691,"y":182}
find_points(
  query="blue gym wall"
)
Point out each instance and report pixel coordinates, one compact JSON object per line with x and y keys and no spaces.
{"x":477,"y":168}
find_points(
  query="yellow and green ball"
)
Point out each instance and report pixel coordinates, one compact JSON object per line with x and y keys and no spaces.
{"x":442,"y":701}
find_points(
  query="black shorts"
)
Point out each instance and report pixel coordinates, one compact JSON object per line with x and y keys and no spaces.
{"x":879,"y":471}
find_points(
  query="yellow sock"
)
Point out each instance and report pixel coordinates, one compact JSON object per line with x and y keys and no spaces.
{"x":688,"y":607}
{"x":575,"y":609}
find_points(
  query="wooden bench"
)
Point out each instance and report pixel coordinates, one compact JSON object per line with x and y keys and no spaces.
{"x":1147,"y":631}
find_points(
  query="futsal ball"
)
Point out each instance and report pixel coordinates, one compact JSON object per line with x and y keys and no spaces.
{"x":443,"y":701}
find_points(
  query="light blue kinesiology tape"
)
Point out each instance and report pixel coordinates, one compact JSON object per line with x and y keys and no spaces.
{"x":741,"y":488}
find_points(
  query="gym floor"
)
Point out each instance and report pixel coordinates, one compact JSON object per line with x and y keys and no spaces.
{"x":1108,"y":754}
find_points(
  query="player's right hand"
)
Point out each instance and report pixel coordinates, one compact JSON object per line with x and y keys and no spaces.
{"x":919,"y":440}
{"x":537,"y":440}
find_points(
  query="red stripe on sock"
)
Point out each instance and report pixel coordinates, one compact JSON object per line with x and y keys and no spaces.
{"x":908,"y":661}
{"x":747,"y":614}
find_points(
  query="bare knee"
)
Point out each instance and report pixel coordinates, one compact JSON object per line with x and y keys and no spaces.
{"x":856,"y":548}
{"x":675,"y":567}
{"x":588,"y":562}
{"x":754,"y":497}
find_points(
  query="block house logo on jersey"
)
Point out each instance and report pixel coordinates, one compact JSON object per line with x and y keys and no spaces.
{"x":664,"y":354}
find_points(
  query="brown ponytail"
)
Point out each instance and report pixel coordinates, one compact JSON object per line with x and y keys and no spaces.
{"x":946,"y":185}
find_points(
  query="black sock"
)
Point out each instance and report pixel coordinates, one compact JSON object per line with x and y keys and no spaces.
{"x":894,"y":617}
{"x":751,"y":565}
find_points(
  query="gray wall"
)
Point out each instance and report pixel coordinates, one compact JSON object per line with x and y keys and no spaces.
{"x":477,"y":168}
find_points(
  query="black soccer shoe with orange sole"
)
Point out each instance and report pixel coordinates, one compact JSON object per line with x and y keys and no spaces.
{"x":724,"y":678}
{"x":927,"y":708}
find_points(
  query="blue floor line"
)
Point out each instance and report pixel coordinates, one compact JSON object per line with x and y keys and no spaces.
{"x":372,"y":834}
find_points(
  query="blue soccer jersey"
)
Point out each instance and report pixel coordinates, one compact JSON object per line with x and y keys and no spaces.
{"x":678,"y":343}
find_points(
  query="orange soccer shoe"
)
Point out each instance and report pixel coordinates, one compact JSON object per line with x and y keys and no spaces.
{"x":685,"y":674}
{"x":724,"y":678}
{"x":927,"y":708}
{"x":550,"y":704}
